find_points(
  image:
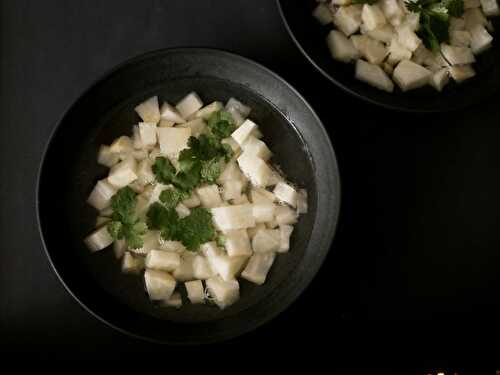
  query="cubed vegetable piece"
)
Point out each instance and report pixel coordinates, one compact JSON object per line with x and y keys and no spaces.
{"x":480,"y":39}
{"x":175,"y":300}
{"x":182,"y":210}
{"x":232,"y":143}
{"x":457,"y":23}
{"x":185,"y":270}
{"x":257,"y":147}
{"x":457,"y":55}
{"x":392,"y":11}
{"x":121,"y":145}
{"x":189,"y":105}
{"x":123,"y":173}
{"x":224,"y":293}
{"x":173,"y":140}
{"x":461,"y":73}
{"x":255,"y":169}
{"x":108,"y":212}
{"x":155,"y":194}
{"x":119,"y":248}
{"x":372,"y":16}
{"x":149,"y":110}
{"x":412,"y":20}
{"x":341,"y":48}
{"x":233,"y":217}
{"x":397,"y":52}
{"x":460,"y":38}
{"x":98,"y":239}
{"x":169,"y":113}
{"x":286,"y":193}
{"x":201,"y":268}
{"x":407,"y":38}
{"x":373,"y":50}
{"x":473,"y":17}
{"x":409,"y":75}
{"x":285,"y":234}
{"x":140,"y":155}
{"x":253,"y":231}
{"x":241,"y":134}
{"x":147,"y":131}
{"x":490,"y":8}
{"x":235,"y":104}
{"x":323,"y":14}
{"x":208,"y":110}
{"x":259,"y":195}
{"x":150,"y":243}
{"x":159,"y":285}
{"x":141,"y":207}
{"x":136,"y":138}
{"x":257,"y":268}
{"x":231,"y":172}
{"x":166,"y":124}
{"x":132,"y":264}
{"x":225,"y":266}
{"x":302,"y":201}
{"x":192,"y":201}
{"x":272,"y":224}
{"x":373,"y":75}
{"x":383,"y":33}
{"x":195,"y":291}
{"x":209,"y":196}
{"x":145,"y":174}
{"x":162,"y":260}
{"x":197,"y":126}
{"x":468,"y":4}
{"x":101,"y":220}
{"x":266,"y":240}
{"x":242,"y":199}
{"x":285,"y":215}
{"x":101,"y":195}
{"x":348,"y":19}
{"x":263,"y":212}
{"x":106,"y":157}
{"x":232,"y":189}
{"x":440,"y":79}
{"x":237,"y":243}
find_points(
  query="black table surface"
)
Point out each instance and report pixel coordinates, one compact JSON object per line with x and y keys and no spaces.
{"x":413,"y":271}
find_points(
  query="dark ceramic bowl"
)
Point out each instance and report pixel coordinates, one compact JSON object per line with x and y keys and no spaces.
{"x":310,"y":37}
{"x":69,"y":170}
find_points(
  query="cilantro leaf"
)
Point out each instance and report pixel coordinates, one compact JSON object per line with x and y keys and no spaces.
{"x":115,"y":230}
{"x":172,"y":197}
{"x":196,"y":228}
{"x":163,"y":170}
{"x":211,"y":170}
{"x":123,"y":205}
{"x":163,"y":219}
{"x":221,"y":124}
{"x":455,"y":7}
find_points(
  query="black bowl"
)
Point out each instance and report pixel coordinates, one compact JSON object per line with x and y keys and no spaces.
{"x":69,"y":170}
{"x":310,"y":37}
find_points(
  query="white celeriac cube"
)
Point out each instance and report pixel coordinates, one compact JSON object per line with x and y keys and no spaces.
{"x":253,"y":231}
{"x":348,"y":19}
{"x":412,"y":20}
{"x":409,"y":76}
{"x":468,"y":4}
{"x":235,"y":104}
{"x":101,"y":220}
{"x":99,"y":239}
{"x":373,"y":50}
{"x":154,"y":153}
{"x":208,"y":110}
{"x":192,"y":201}
{"x":185,"y":271}
{"x":132,"y":264}
{"x":173,"y":140}
{"x":460,"y":38}
{"x":232,"y":189}
{"x":263,"y":212}
{"x":232,"y":143}
{"x":159,"y":284}
{"x":258,"y":267}
{"x":372,"y":16}
{"x":201,"y":268}
{"x":242,"y":199}
{"x":439,"y":79}
{"x":166,"y":124}
{"x":144,"y":172}
{"x":195,"y":291}
{"x":392,"y":11}
{"x":457,"y":55}
{"x":236,"y":115}
{"x":257,"y":147}
{"x":106,"y":157}
{"x":490,"y":7}
{"x":302,"y":201}
{"x":397,"y":52}
{"x":285,"y":215}
{"x":285,"y":234}
{"x":273,"y":224}
{"x":150,"y":240}
{"x":182,"y":210}
{"x":480,"y":39}
{"x":141,"y":207}
{"x":136,"y":138}
{"x":460,"y":73}
{"x":457,"y":23}
{"x":231,"y":172}
{"x":121,"y":145}
{"x":189,"y":105}
{"x":383,"y":33}
{"x":266,"y":240}
{"x":388,"y":69}
{"x":149,"y":110}
{"x":119,"y":248}
{"x":162,"y":260}
{"x":225,"y":266}
{"x":140,"y":154}
{"x":255,"y":169}
{"x":197,"y":126}
{"x":155,"y":193}
{"x":107,"y":212}
{"x":341,"y":48}
{"x":259,"y":195}
{"x":175,"y":300}
{"x":101,"y":195}
{"x":209,"y":196}
{"x":323,"y":14}
{"x":473,"y":17}
{"x":233,"y":217}
{"x":373,"y":75}
{"x":407,"y":38}
{"x":241,"y":134}
{"x":123,"y":173}
{"x":224,"y":293}
{"x":147,"y":130}
{"x":136,"y":186}
{"x":169,"y":113}
{"x":237,"y":243}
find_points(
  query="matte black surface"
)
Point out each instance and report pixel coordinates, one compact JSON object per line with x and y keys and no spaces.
{"x":292,"y":130}
{"x":413,"y":272}
{"x":310,"y":38}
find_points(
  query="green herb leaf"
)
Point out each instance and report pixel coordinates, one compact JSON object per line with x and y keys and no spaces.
{"x":163,"y":170}
{"x":221,"y":124}
{"x":196,"y":228}
{"x":172,"y":197}
{"x":211,"y":170}
{"x":163,"y":219}
{"x":115,"y":230}
{"x":455,"y":7}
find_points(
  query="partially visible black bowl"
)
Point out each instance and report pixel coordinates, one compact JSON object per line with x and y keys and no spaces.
{"x":69,"y":170}
{"x":310,"y":38}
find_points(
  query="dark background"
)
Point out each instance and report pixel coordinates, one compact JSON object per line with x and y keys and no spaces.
{"x":413,"y":272}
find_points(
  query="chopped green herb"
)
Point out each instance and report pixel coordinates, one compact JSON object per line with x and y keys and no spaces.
{"x":172,"y":197}
{"x":221,"y":124}
{"x":211,"y":170}
{"x":163,"y":219}
{"x":163,"y":170}
{"x":221,"y":240}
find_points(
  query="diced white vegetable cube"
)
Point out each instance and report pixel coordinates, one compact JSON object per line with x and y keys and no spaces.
{"x":98,"y":239}
{"x":108,"y":212}
{"x":397,"y":52}
{"x":341,"y":48}
{"x":255,"y":169}
{"x":473,"y":17}
{"x":201,"y":268}
{"x":302,"y":201}
{"x":162,"y":260}
{"x":232,"y":189}
{"x":257,"y":147}
{"x":147,"y":131}
{"x":460,"y":73}
{"x":235,"y":104}
{"x":209,"y":196}
{"x":106,"y":157}
{"x":407,"y":38}
{"x":242,"y":199}
{"x":258,"y":267}
{"x":409,"y":76}
{"x":123,"y":173}
{"x":231,"y":172}
{"x":233,"y":217}
{"x":460,"y":38}
{"x":132,"y":264}
{"x":150,"y":240}
{"x":192,"y":201}
{"x":348,"y":19}
{"x":388,"y":69}
{"x":145,"y":174}
{"x":457,"y":23}
{"x":159,"y":285}
{"x":272,"y":224}
{"x":237,"y":243}
{"x":149,"y":110}
{"x":189,"y":105}
{"x":373,"y":75}
{"x":383,"y":33}
{"x":169,"y":113}
{"x":173,"y":140}
{"x":185,"y":271}
{"x":259,"y":195}
{"x":136,"y":138}
{"x":392,"y":11}
{"x":253,"y":231}
{"x":101,"y":195}
{"x":119,"y":248}
{"x":182,"y":210}
{"x":373,"y":50}
{"x":197,"y":126}
{"x":136,"y":186}
{"x":232,"y":143}
{"x":225,"y":266}
{"x":195,"y":291}
{"x":263,"y":212}
{"x":285,"y":215}
{"x":285,"y":234}
{"x":225,"y":293}
{"x":208,"y":110}
{"x":241,"y":134}
{"x":101,"y":220}
{"x":323,"y":14}
{"x":166,"y":124}
{"x":121,"y":145}
{"x":236,"y":115}
{"x":439,"y":79}
{"x":468,"y":4}
{"x":457,"y":55}
{"x":490,"y":7}
{"x":155,"y":194}
{"x":175,"y":300}
{"x":266,"y":240}
{"x":140,"y":154}
{"x":372,"y":16}
{"x":480,"y":39}
{"x":141,"y":207}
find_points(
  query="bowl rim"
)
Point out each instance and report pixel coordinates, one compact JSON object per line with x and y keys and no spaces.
{"x":144,"y":56}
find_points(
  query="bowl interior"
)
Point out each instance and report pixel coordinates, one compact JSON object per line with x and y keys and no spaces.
{"x":106,"y":111}
{"x":310,"y":37}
